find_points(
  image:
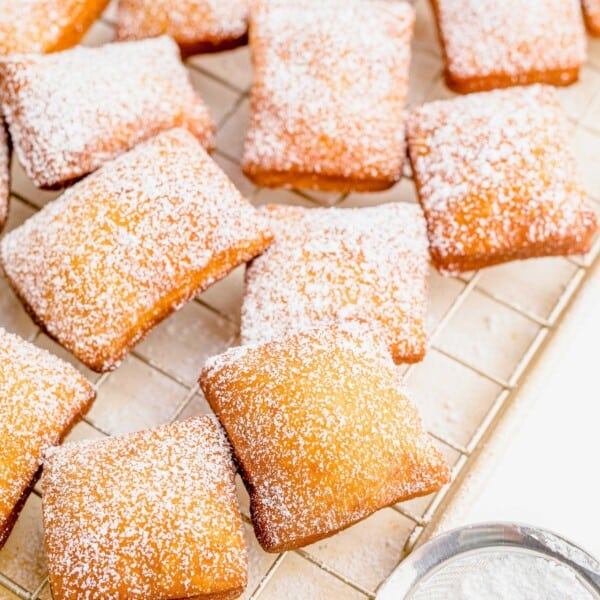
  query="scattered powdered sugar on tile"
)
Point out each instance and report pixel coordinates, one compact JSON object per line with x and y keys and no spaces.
{"x":336,"y":264}
{"x":44,"y":25}
{"x":4,"y":173}
{"x":321,"y":430}
{"x":513,"y":37}
{"x":72,"y":111}
{"x":40,"y":397}
{"x":149,"y":515}
{"x":496,"y":177}
{"x":188,"y":21}
{"x":120,"y":250}
{"x":330,"y":86}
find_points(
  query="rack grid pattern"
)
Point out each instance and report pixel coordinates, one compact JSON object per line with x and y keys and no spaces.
{"x":485,"y":329}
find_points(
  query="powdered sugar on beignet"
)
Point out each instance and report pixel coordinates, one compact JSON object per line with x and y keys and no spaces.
{"x":491,"y":44}
{"x":196,"y":25}
{"x":329,"y":91}
{"x":123,"y":248}
{"x":41,"y":397}
{"x":149,"y":515}
{"x":72,"y":111}
{"x":322,"y":433}
{"x":497,"y":180}
{"x":45,"y":25}
{"x":339,"y":264}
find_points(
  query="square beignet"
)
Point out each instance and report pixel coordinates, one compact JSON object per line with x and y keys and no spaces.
{"x":321,"y":431}
{"x":329,"y":91}
{"x":122,"y":249}
{"x":70,"y":112}
{"x":41,"y":398}
{"x":489,"y":44}
{"x":150,"y":515}
{"x":591,"y":13}
{"x":196,"y":25}
{"x":45,"y":25}
{"x":4,"y":173}
{"x":338,"y":264}
{"x":497,"y":180}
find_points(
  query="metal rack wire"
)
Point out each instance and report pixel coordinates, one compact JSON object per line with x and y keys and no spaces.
{"x":228,"y":90}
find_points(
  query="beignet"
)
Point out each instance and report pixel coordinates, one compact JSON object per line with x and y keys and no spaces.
{"x":591,"y":13}
{"x":321,"y":431}
{"x":122,"y":249}
{"x":4,"y":174}
{"x":41,"y":398}
{"x":70,"y":112}
{"x":150,"y":515}
{"x":337,"y":264}
{"x":489,"y":44}
{"x":45,"y":25}
{"x":330,"y":84}
{"x":497,"y":180}
{"x":196,"y":25}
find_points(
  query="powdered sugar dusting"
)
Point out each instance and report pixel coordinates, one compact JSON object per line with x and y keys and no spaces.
{"x":4,"y":173}
{"x":189,"y":22}
{"x":126,"y":246}
{"x":329,"y":89}
{"x":45,"y":25}
{"x":40,"y":397}
{"x":149,"y":515}
{"x":321,"y":431}
{"x":331,"y":264}
{"x":72,"y":111}
{"x":513,"y":37}
{"x":496,"y":178}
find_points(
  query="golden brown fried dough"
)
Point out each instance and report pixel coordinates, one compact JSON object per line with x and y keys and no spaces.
{"x":122,"y":249}
{"x":489,"y":44}
{"x":338,"y":264}
{"x":71,"y":112}
{"x":45,"y":25}
{"x":329,"y":92}
{"x":497,"y":180}
{"x":150,"y":515}
{"x":41,"y":398}
{"x":591,"y":13}
{"x":321,"y":431}
{"x":196,"y":25}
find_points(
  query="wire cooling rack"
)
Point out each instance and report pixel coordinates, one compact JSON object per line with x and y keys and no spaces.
{"x":485,"y":330}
